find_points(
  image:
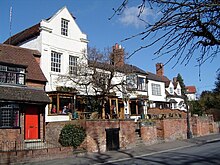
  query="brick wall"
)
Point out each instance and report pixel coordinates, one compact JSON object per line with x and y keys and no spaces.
{"x":203,"y":125}
{"x":148,"y":134}
{"x":17,"y":134}
{"x":172,"y":129}
{"x":96,"y":133}
{"x":166,"y":113}
{"x":35,"y":155}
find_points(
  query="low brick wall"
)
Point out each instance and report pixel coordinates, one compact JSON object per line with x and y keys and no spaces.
{"x":148,"y":134}
{"x":203,"y":125}
{"x":36,"y":155}
{"x":96,"y":133}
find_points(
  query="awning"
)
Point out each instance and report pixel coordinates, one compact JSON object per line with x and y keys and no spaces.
{"x":23,"y":95}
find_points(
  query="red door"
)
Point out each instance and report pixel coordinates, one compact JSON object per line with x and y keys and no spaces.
{"x":31,"y":123}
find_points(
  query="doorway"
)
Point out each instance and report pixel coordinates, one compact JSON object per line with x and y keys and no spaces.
{"x":31,"y":123}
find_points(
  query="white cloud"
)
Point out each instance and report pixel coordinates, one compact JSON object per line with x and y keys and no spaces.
{"x":129,"y":17}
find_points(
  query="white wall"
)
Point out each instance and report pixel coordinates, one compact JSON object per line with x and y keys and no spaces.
{"x":152,"y":97}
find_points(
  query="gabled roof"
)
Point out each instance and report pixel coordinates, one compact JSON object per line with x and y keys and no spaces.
{"x":126,"y":68}
{"x":30,"y":32}
{"x":13,"y":55}
{"x":190,"y":89}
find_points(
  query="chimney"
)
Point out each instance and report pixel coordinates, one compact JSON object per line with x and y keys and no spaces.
{"x":117,"y":56}
{"x":159,"y":69}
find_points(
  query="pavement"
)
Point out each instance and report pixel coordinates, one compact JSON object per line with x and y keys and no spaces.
{"x":110,"y":157}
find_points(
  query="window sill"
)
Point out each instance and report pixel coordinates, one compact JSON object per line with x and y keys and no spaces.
{"x":18,"y":127}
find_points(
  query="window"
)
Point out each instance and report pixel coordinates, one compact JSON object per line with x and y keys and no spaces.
{"x":61,"y":104}
{"x":156,"y":89}
{"x":55,"y":61}
{"x":171,"y":90}
{"x":178,"y":91}
{"x":73,"y":65}
{"x":9,"y":115}
{"x":12,"y":75}
{"x":141,"y":84}
{"x":64,"y":27}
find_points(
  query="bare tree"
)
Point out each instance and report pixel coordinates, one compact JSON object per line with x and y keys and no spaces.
{"x":186,"y":28}
{"x":96,"y":79}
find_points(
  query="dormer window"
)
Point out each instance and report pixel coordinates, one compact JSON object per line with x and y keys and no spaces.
{"x":12,"y":75}
{"x":64,"y":27}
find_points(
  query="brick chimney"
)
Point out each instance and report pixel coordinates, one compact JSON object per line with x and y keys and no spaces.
{"x":159,"y":69}
{"x":117,"y":56}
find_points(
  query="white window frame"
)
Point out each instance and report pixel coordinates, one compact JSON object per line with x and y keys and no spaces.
{"x":156,"y":89}
{"x":64,"y":27}
{"x":55,"y":61}
{"x":73,"y":62}
{"x":141,"y":84}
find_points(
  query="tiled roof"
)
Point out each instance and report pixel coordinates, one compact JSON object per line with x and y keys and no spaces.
{"x":24,"y":57}
{"x":126,"y":68}
{"x":24,"y":35}
{"x":23,"y":95}
{"x":190,"y":89}
{"x":152,"y":76}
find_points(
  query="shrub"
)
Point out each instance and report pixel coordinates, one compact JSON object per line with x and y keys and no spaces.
{"x":72,"y":135}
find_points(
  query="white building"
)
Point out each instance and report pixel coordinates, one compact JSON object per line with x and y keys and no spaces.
{"x":62,"y":46}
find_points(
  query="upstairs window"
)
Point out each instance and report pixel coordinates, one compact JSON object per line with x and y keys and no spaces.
{"x":156,"y":90}
{"x":55,"y":61}
{"x":9,"y":115}
{"x":141,"y":84}
{"x":64,"y":27}
{"x":12,"y":75}
{"x":171,"y":90}
{"x":178,"y":91}
{"x":73,"y":64}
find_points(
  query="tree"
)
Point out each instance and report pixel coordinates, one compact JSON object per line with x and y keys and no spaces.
{"x":97,"y":78}
{"x":217,"y":84}
{"x":184,"y":27}
{"x":181,"y":81}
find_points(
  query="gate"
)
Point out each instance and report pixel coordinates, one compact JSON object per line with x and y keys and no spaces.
{"x":112,"y":139}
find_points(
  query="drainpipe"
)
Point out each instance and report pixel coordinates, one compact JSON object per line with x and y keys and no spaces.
{"x":189,"y":133}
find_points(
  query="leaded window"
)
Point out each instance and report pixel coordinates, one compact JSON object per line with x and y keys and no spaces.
{"x":12,"y":75}
{"x":9,"y":115}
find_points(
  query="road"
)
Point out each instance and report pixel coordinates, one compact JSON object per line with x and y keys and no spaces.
{"x":197,"y":151}
{"x":207,"y":154}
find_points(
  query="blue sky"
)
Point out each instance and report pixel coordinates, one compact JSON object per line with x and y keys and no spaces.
{"x":92,"y":18}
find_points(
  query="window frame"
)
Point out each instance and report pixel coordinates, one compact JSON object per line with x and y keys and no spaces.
{"x":156,"y":89}
{"x":64,"y":27}
{"x":13,"y":120}
{"x":73,"y":63}
{"x":55,"y":61}
{"x":141,"y":86}
{"x":12,"y":75}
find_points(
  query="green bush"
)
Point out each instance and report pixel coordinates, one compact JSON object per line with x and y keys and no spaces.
{"x":72,"y":135}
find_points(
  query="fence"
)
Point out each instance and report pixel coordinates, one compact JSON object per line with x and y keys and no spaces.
{"x":20,"y":146}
